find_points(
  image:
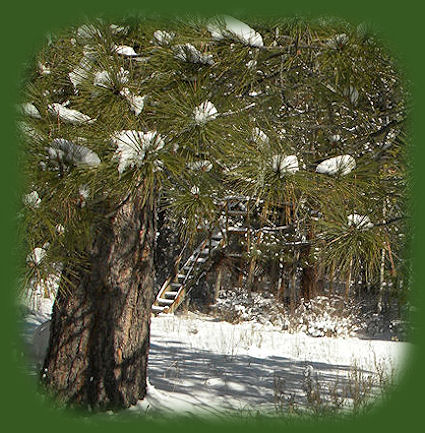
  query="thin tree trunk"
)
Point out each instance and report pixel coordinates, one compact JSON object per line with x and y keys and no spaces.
{"x":217,"y":285}
{"x":309,"y":272}
{"x":348,"y":281}
{"x":382,"y":268}
{"x":99,"y":341}
{"x":331,"y":279}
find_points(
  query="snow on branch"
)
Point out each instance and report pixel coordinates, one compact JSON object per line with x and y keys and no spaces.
{"x":132,"y":147}
{"x":163,"y":38}
{"x":69,"y":115}
{"x":361,"y":222}
{"x":204,"y":113}
{"x":106,"y":79}
{"x":124,"y":50}
{"x":342,"y":164}
{"x":29,"y":109}
{"x":225,"y":26}
{"x":259,"y":137}
{"x":282,"y":164}
{"x":188,"y":53}
{"x":204,"y":165}
{"x":32,"y":200}
{"x":136,"y":102}
{"x":62,"y":150}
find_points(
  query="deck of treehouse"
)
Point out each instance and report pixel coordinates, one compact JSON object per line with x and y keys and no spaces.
{"x":238,"y":216}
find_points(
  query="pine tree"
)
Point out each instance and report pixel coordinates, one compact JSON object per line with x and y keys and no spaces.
{"x":119,"y":120}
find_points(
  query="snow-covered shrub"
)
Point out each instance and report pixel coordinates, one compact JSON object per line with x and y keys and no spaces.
{"x":236,"y":306}
{"x":327,"y":316}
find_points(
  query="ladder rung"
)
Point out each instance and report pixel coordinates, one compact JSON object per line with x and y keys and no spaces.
{"x":170,"y":294}
{"x":175,"y":285}
{"x":157,"y":308}
{"x":165,"y":301}
{"x":201,"y":259}
{"x":181,"y":276}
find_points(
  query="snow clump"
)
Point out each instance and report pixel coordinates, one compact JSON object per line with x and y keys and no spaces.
{"x":194,"y":190}
{"x":29,"y":109}
{"x":132,"y":147}
{"x":106,"y":79}
{"x":43,"y":69}
{"x":282,"y":164}
{"x":361,"y":222}
{"x":81,"y":73}
{"x":204,"y":113}
{"x":36,"y":256}
{"x":162,"y":37}
{"x":352,"y":93}
{"x":125,"y":50}
{"x":204,"y":165}
{"x":342,"y":164}
{"x":228,"y":27}
{"x":259,"y":137}
{"x":69,"y":115}
{"x":62,"y":150}
{"x":32,"y":200}
{"x":339,"y":41}
{"x":188,"y":53}
{"x":136,"y":102}
{"x":87,"y":32}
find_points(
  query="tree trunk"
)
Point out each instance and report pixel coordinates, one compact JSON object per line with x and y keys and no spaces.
{"x":99,"y":342}
{"x":309,"y":272}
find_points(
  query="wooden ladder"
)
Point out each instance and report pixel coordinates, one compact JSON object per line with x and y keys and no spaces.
{"x":174,"y":289}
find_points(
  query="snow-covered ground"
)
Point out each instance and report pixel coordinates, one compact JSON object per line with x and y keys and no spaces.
{"x":199,"y":365}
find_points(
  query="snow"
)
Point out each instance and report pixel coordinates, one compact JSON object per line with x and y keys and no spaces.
{"x":251,"y":64}
{"x":84,"y":193}
{"x":282,"y":164}
{"x":132,"y":146}
{"x":29,"y":109}
{"x":68,"y":114}
{"x":36,"y":256}
{"x":87,"y":32}
{"x":201,"y":366}
{"x":203,"y":165}
{"x":81,"y":72}
{"x":117,"y":30}
{"x":66,"y":151}
{"x":228,"y":27}
{"x":136,"y":102}
{"x":204,"y":113}
{"x":32,"y":200}
{"x":29,"y":131}
{"x":188,"y":53}
{"x":59,"y":229}
{"x":161,"y":37}
{"x":361,"y":222}
{"x":342,"y":164}
{"x":259,"y":137}
{"x":125,"y":50}
{"x":338,"y":41}
{"x":43,"y":69}
{"x":352,"y":93}
{"x":106,"y":79}
{"x":194,"y":190}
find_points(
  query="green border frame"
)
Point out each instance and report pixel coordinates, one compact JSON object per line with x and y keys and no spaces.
{"x":22,"y":31}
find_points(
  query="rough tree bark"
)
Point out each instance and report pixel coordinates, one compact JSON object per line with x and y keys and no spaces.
{"x":99,"y":341}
